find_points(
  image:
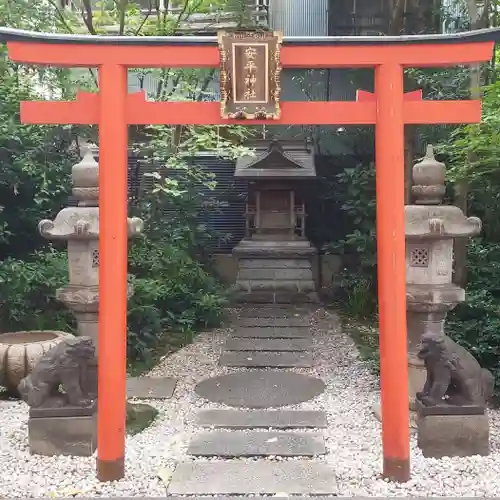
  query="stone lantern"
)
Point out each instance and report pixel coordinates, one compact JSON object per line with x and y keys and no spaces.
{"x":79,"y":226}
{"x":430,"y":229}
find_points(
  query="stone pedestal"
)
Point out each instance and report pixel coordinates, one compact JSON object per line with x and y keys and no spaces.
{"x":452,"y":431}
{"x":63,"y":431}
{"x":276,"y":272}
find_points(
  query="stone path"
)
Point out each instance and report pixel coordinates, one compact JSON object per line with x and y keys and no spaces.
{"x":269,"y":339}
{"x":150,"y":387}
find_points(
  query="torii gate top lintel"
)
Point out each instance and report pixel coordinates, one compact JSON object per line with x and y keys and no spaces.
{"x":389,"y":108}
{"x":201,"y":51}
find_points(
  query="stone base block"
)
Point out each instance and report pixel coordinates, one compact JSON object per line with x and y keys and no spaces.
{"x":271,"y":297}
{"x":75,"y":435}
{"x":452,"y":435}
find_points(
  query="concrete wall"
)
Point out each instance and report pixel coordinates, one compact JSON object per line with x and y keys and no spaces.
{"x":325,"y":268}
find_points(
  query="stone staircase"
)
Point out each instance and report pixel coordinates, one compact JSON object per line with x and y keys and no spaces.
{"x":287,"y":443}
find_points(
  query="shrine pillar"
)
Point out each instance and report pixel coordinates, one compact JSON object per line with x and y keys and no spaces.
{"x":391,"y":266}
{"x":113,"y":194}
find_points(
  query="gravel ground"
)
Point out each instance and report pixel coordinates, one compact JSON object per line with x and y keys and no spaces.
{"x":353,"y":437}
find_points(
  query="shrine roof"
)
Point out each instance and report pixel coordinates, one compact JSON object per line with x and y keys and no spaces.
{"x":482,"y":35}
{"x":277,"y":160}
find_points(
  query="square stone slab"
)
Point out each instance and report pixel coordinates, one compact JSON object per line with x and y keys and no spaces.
{"x":266,"y":359}
{"x":150,"y":387}
{"x":276,"y":322}
{"x":254,"y":419}
{"x":290,"y":332}
{"x":255,"y":443}
{"x":261,"y":477}
{"x":268,"y":345}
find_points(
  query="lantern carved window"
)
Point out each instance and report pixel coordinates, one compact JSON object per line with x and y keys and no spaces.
{"x":95,"y":257}
{"x":419,"y":257}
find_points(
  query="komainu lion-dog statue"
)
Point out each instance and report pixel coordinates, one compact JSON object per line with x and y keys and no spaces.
{"x":70,"y":366}
{"x":454,"y":376}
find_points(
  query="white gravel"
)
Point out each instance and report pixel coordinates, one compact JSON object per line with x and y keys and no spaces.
{"x":353,"y":436}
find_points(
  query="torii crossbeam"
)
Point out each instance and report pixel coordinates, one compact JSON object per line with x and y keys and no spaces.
{"x":113,"y":109}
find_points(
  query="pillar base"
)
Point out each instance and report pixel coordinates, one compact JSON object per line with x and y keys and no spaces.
{"x":396,"y":470}
{"x":110,"y":470}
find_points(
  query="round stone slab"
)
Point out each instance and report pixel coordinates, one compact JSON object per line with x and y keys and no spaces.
{"x":257,"y":389}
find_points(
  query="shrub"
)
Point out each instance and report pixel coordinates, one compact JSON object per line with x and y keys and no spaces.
{"x":173,"y":293}
{"x":27,"y":293}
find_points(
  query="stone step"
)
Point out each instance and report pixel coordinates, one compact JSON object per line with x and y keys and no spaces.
{"x":254,"y":419}
{"x":277,"y":297}
{"x":291,"y":332}
{"x":256,"y":444}
{"x":275,"y":311}
{"x":275,"y":263}
{"x":243,"y":497}
{"x":268,"y":344}
{"x":236,"y":477}
{"x":274,"y":322}
{"x":266,"y":359}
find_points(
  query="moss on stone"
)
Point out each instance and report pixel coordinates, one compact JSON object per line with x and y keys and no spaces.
{"x":139,"y":417}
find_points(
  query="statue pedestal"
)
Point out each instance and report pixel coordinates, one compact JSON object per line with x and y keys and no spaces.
{"x":63,"y":431}
{"x":452,"y":431}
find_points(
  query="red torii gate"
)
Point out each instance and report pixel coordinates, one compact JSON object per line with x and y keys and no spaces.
{"x":113,"y":109}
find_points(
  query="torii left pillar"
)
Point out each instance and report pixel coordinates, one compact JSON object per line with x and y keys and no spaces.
{"x":113,"y":255}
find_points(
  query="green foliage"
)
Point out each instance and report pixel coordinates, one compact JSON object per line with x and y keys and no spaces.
{"x":475,"y":324}
{"x":474,"y":150}
{"x":35,"y":160}
{"x":174,"y":292}
{"x":355,"y":288}
{"x":27,"y":293}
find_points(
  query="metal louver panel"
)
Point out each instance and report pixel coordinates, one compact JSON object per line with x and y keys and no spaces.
{"x":230,"y":194}
{"x":228,"y":220}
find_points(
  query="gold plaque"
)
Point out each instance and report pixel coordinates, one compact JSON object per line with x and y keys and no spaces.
{"x":250,"y":75}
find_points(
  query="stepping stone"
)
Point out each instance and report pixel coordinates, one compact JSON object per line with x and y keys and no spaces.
{"x":260,"y":389}
{"x":266,"y":359}
{"x":266,"y":312}
{"x":246,"y":497}
{"x":275,"y":322}
{"x":254,"y":444}
{"x":255,"y":419}
{"x":267,"y":345}
{"x":290,"y":332}
{"x":150,"y":387}
{"x":236,"y":477}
